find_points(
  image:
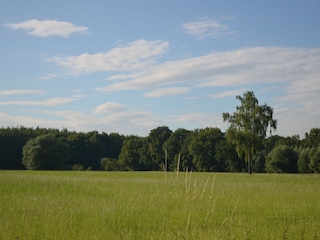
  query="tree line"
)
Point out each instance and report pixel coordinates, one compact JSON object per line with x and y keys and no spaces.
{"x":207,"y":149}
{"x":243,"y":147}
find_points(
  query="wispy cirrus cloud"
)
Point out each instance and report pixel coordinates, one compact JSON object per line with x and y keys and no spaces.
{"x":48,"y":102}
{"x":230,"y":93}
{"x":20,"y":92}
{"x":50,"y":76}
{"x":27,"y":121}
{"x":164,"y":92}
{"x":196,"y":119}
{"x":47,"y":28}
{"x":108,"y":107}
{"x":228,"y":69}
{"x":130,"y":121}
{"x":136,"y":55}
{"x":207,"y":28}
{"x":223,"y":94}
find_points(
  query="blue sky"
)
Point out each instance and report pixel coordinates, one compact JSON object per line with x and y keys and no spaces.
{"x":131,"y":66}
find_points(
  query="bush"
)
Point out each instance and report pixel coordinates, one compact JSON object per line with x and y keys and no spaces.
{"x":77,"y":167}
{"x":110,"y":164}
{"x":282,"y":159}
{"x":45,"y":152}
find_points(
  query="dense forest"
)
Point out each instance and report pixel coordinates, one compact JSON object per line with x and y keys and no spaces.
{"x":205,"y":149}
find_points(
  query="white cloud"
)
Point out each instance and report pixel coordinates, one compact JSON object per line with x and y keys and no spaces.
{"x":47,"y":28}
{"x":48,"y":103}
{"x":232,"y":68}
{"x":207,"y":28}
{"x":125,"y":122}
{"x":9,"y":120}
{"x":127,"y":116}
{"x":224,"y":94}
{"x":20,"y":92}
{"x":108,"y":107}
{"x":228,"y":93}
{"x":137,"y":55}
{"x":164,"y":92}
{"x":199,"y":120}
{"x":297,"y":119}
{"x":50,"y":76}
{"x":194,"y":117}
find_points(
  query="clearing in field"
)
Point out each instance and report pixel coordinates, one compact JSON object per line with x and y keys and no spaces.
{"x":157,"y":205}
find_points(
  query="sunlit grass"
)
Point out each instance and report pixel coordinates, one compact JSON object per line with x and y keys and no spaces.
{"x":157,"y":205}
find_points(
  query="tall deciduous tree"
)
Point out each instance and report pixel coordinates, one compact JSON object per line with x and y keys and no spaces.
{"x":249,"y":125}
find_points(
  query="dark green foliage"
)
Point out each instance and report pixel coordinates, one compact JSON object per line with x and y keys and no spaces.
{"x":177,"y":147}
{"x":293,"y":141}
{"x":312,"y":139}
{"x":258,"y":162}
{"x":134,"y":155}
{"x":315,"y":160}
{"x":11,"y":143}
{"x":113,"y":144}
{"x":304,"y":161}
{"x":227,"y":158}
{"x":94,"y":150}
{"x":270,"y":143}
{"x":110,"y":164}
{"x":203,"y":149}
{"x":282,"y":159}
{"x":145,"y":161}
{"x":77,"y":147}
{"x":45,"y":152}
{"x":156,"y":140}
{"x":87,"y":149}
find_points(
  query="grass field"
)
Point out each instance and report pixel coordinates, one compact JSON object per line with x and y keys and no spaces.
{"x":157,"y":205}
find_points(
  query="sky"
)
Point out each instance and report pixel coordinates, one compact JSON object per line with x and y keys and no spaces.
{"x":131,"y":66}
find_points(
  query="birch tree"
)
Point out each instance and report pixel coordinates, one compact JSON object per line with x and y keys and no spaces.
{"x":249,"y":126}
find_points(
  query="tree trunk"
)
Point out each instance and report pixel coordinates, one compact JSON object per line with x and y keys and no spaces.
{"x":249,"y":165}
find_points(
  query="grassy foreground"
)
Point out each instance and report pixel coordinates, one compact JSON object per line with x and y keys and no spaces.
{"x":157,"y":205}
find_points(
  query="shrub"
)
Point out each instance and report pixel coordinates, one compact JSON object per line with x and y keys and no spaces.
{"x":77,"y":167}
{"x":110,"y":164}
{"x":45,"y":152}
{"x":282,"y":159}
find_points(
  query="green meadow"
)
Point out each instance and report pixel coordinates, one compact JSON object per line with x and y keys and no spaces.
{"x":158,"y":205}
